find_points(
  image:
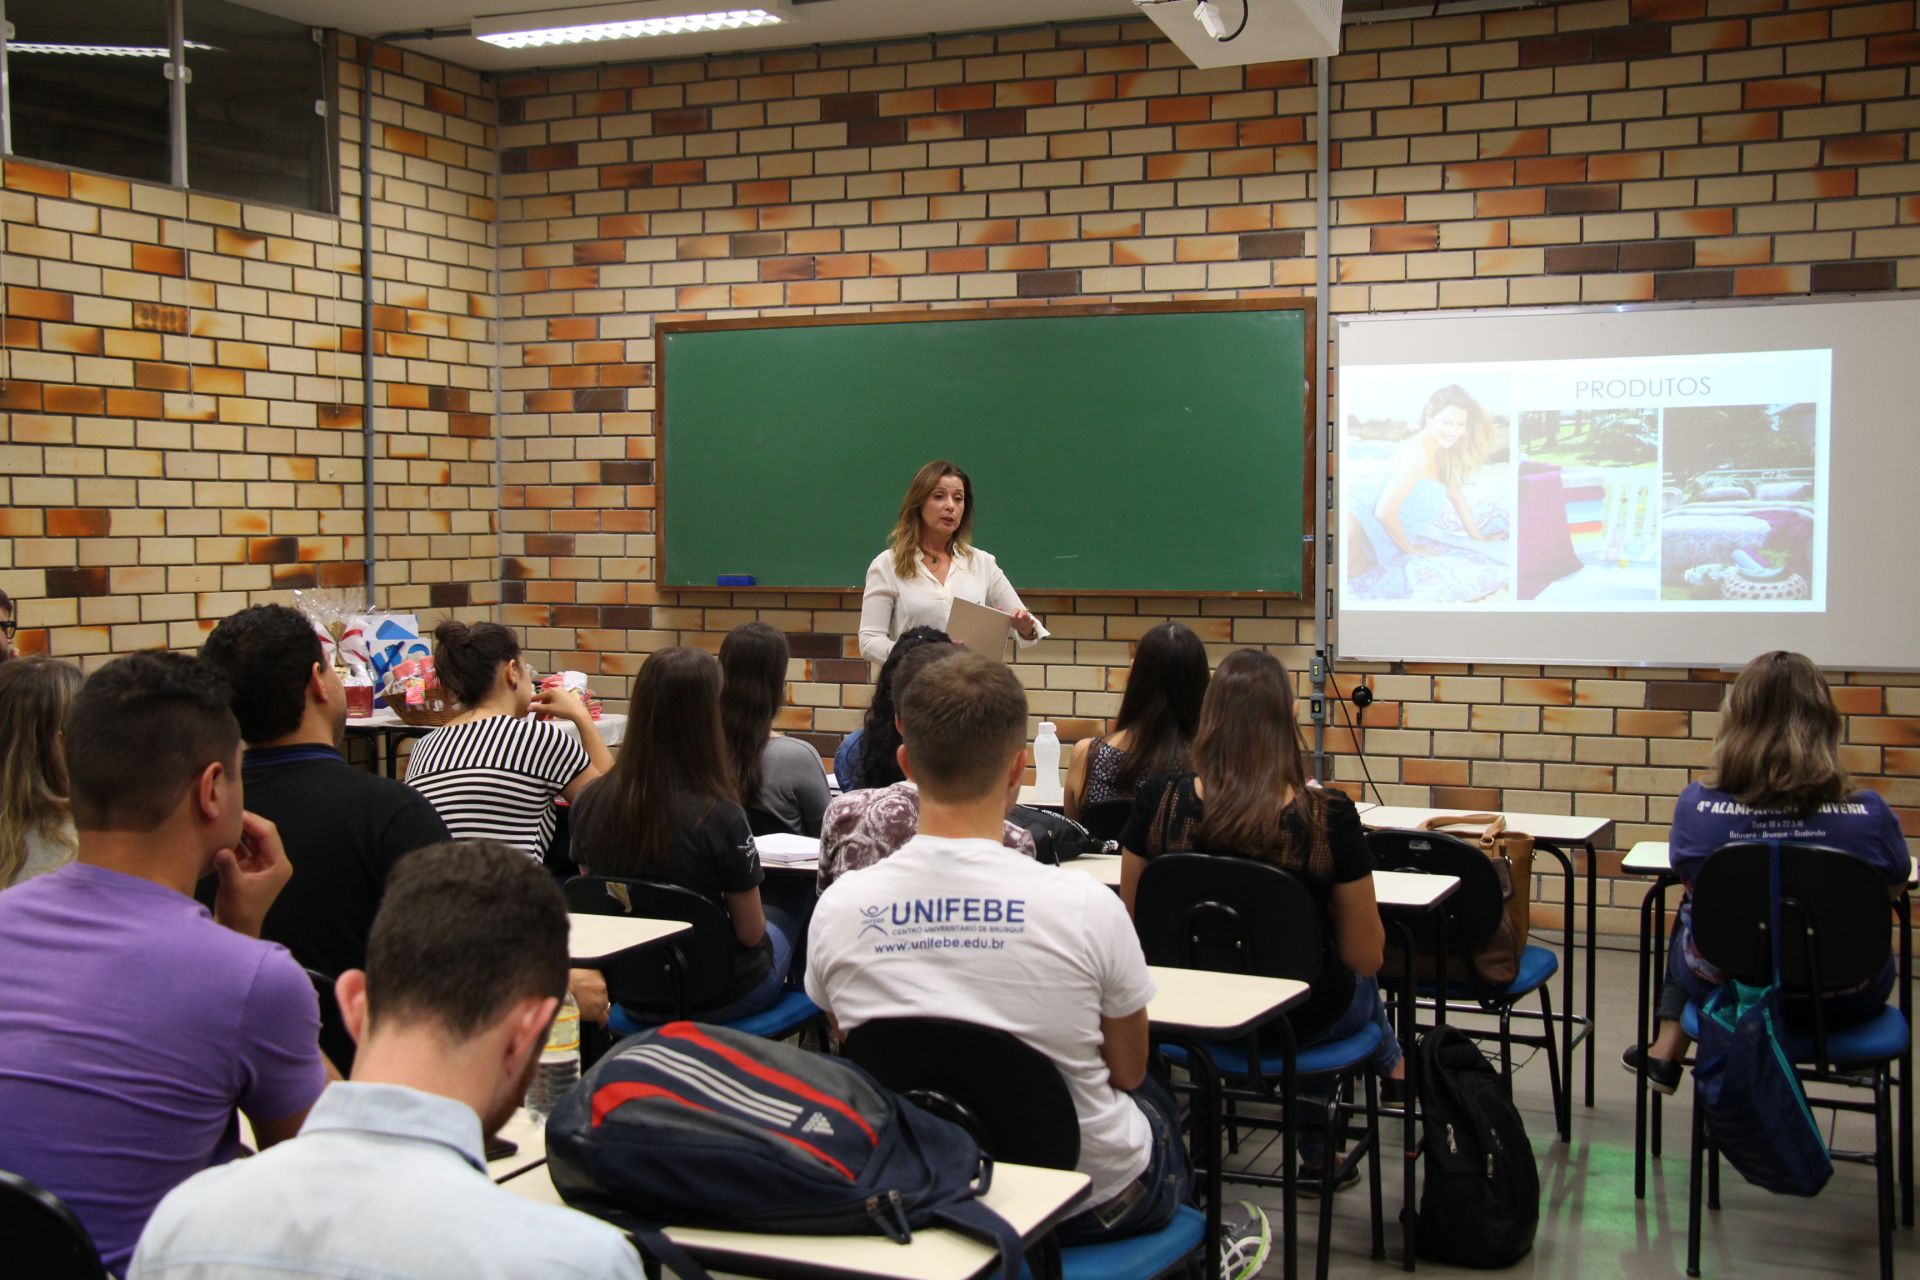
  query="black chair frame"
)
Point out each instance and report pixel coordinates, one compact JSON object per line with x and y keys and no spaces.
{"x":1472,"y":913}
{"x":1823,"y":944}
{"x":43,"y":1236}
{"x":1206,"y":927}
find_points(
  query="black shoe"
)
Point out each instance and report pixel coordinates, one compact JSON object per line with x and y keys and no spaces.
{"x":1661,"y":1074}
{"x":1312,"y":1181}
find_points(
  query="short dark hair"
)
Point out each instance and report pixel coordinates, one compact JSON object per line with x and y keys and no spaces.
{"x":465,"y":929}
{"x":467,"y":657}
{"x":6,"y":602}
{"x":141,"y":730}
{"x":266,"y":653}
{"x":917,"y":661}
{"x":964,"y":718}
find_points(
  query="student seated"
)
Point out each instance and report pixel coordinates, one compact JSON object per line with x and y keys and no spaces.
{"x":133,"y":1021}
{"x":1248,"y":797}
{"x":862,"y":827}
{"x":388,"y":1177}
{"x":492,"y":772}
{"x":345,"y":828}
{"x":668,"y":812}
{"x":1070,"y":981}
{"x":781,"y":776}
{"x":865,"y":757}
{"x":8,"y":625}
{"x":1775,"y":774}
{"x":36,"y":821}
{"x":1159,"y":714}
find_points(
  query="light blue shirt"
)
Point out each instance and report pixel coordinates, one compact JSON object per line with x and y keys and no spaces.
{"x":383,"y":1183}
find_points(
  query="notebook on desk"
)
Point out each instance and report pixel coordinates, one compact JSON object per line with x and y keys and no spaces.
{"x":980,"y":629}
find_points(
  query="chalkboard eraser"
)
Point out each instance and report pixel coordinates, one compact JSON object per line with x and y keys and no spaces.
{"x":734,"y":580}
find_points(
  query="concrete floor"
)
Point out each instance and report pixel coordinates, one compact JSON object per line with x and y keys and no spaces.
{"x":1590,"y":1224}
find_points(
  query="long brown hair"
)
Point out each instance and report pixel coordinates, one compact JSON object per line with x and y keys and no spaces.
{"x":1779,"y":742}
{"x":753,"y":687}
{"x":1160,"y":711}
{"x":674,"y":744}
{"x":905,"y":539}
{"x":1248,"y":756}
{"x":34,"y":696}
{"x":1456,"y":464}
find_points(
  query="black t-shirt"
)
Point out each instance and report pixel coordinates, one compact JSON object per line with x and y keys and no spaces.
{"x":344,"y":829}
{"x":712,"y":853}
{"x":1166,"y":819}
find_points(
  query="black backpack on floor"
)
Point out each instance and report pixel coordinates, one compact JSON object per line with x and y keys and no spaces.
{"x":1480,"y":1201}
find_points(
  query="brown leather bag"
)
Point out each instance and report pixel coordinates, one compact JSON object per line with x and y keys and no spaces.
{"x":1511,"y":853}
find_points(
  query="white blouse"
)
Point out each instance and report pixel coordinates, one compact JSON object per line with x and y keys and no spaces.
{"x":894,"y":604}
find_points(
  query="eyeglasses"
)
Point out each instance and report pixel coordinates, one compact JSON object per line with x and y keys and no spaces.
{"x":7,"y":627}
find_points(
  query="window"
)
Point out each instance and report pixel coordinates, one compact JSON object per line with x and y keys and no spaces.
{"x":87,"y":84}
{"x":252,"y":130}
{"x":88,"y":87}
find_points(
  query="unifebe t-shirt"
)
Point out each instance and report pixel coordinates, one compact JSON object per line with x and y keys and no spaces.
{"x":971,"y":930}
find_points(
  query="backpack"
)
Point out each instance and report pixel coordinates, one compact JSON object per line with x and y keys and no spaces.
{"x":1756,"y":1107}
{"x":703,"y":1126}
{"x":1480,"y":1200}
{"x":1056,"y":837}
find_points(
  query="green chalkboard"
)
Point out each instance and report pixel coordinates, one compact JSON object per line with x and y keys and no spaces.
{"x":1120,"y":449}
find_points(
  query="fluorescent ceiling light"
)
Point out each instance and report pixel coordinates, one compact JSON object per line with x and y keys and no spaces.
{"x":627,"y":22}
{"x":98,"y":50}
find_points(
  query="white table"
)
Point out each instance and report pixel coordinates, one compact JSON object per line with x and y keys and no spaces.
{"x":1034,"y":1200}
{"x":1044,"y":797}
{"x":1193,"y":1006}
{"x":532,"y":1141}
{"x":1104,"y":867}
{"x":1556,"y":833}
{"x":593,"y":938}
{"x":385,"y":726}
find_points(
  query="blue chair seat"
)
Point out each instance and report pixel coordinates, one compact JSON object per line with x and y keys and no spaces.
{"x":1134,"y":1257}
{"x":1312,"y":1060}
{"x":781,"y":1019}
{"x":1880,"y":1037}
{"x":1537,"y":967}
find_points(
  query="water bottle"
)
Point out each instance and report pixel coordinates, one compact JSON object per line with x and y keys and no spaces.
{"x":1046,"y":758}
{"x":559,"y":1068}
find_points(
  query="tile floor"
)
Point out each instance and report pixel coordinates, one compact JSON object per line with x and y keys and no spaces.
{"x":1590,"y":1224}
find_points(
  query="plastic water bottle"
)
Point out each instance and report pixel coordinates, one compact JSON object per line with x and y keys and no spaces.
{"x":559,"y":1068}
{"x":1046,"y":758}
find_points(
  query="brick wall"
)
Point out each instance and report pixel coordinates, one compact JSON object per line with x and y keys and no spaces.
{"x":1579,"y":153}
{"x":181,"y":384}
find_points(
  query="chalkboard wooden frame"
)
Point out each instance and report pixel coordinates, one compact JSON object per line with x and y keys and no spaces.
{"x":1310,"y":429}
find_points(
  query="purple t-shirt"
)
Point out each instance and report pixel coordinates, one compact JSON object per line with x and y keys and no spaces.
{"x":131,"y":1027}
{"x":1705,"y":819}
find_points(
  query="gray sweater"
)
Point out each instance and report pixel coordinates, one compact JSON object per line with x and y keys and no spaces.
{"x":793,"y":785}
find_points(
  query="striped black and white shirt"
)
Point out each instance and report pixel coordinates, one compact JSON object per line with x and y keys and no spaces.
{"x":495,"y":779}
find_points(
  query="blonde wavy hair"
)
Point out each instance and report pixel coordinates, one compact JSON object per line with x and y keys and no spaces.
{"x":905,"y":539}
{"x":1778,"y":748}
{"x":34,"y":696}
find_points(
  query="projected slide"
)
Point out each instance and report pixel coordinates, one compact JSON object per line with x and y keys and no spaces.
{"x":1655,"y":484}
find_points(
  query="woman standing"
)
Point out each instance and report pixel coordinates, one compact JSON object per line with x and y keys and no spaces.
{"x":1424,"y":476}
{"x":1775,"y":774}
{"x":930,"y":562}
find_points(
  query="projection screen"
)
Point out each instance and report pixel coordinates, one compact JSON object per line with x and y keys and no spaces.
{"x":1647,"y":485}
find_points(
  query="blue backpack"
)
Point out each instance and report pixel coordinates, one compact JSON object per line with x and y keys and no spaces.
{"x":1756,"y":1108}
{"x":701,"y":1126}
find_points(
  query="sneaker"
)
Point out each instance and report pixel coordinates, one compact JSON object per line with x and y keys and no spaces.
{"x":1245,"y":1240}
{"x":1661,"y":1074}
{"x":1313,"y":1176}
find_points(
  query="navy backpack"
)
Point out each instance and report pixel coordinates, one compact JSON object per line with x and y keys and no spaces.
{"x":1756,"y":1107}
{"x":700,"y":1126}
